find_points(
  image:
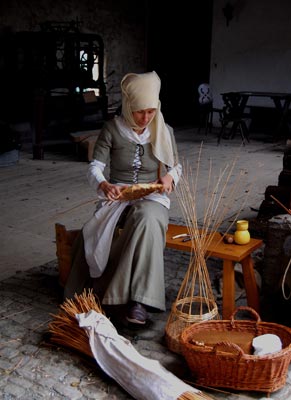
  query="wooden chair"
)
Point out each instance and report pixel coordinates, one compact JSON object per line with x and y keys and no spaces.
{"x":206,"y":108}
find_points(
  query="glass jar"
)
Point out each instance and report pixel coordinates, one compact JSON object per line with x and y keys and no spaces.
{"x":242,"y":235}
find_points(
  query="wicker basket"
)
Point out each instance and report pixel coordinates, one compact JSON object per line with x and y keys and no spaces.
{"x":224,"y":364}
{"x":184,"y":313}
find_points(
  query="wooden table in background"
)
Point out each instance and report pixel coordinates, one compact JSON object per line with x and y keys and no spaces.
{"x":282,"y":101}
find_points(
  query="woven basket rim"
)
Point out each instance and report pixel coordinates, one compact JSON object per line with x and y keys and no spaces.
{"x":192,"y":317}
{"x":184,"y":337}
{"x":236,"y":369}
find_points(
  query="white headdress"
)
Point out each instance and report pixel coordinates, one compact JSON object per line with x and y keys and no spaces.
{"x":141,"y":92}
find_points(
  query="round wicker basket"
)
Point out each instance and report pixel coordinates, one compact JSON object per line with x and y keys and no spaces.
{"x":185,"y":312}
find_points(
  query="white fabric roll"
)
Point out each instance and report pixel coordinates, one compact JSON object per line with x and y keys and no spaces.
{"x":143,"y":378}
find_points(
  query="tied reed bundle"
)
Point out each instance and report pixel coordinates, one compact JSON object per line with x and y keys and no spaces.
{"x":66,"y":332}
{"x":194,"y":396}
{"x":64,"y":328}
{"x":195,"y":301}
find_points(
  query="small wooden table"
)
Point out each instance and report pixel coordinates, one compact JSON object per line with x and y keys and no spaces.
{"x":230,"y":254}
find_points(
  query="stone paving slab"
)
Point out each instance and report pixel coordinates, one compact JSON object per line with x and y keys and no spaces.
{"x":31,"y":368}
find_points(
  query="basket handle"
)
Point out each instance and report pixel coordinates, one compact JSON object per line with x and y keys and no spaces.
{"x":228,"y":346}
{"x":255,"y":315}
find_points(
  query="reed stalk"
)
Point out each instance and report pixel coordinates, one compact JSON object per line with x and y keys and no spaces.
{"x":225,"y":188}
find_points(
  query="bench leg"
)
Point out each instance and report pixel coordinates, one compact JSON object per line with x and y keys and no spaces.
{"x":251,"y":287}
{"x":228,"y":289}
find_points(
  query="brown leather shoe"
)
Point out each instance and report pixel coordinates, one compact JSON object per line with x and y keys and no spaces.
{"x":137,"y":314}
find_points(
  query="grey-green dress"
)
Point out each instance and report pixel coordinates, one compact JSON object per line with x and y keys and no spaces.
{"x":135,"y":269}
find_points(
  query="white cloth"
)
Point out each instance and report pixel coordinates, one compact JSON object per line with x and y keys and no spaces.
{"x":98,"y":234}
{"x":95,"y":176}
{"x":130,"y":134}
{"x":161,"y":139}
{"x":143,"y":378}
{"x":139,"y":92}
{"x":266,"y":344}
{"x":98,"y":231}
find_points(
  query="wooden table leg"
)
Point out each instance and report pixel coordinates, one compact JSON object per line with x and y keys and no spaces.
{"x":228,"y":291}
{"x":251,"y":287}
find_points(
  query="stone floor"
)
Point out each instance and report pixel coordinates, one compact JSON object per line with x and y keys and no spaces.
{"x":38,"y":193}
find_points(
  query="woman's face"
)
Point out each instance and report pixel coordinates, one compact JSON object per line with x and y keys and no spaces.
{"x":143,"y":117}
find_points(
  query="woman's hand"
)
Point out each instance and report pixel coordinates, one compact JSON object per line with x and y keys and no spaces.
{"x":167,"y":182}
{"x":111,"y":191}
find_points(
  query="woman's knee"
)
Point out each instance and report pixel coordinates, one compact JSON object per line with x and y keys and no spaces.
{"x":150,"y":212}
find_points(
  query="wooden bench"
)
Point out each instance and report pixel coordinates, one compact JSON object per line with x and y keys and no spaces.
{"x":85,"y":140}
{"x":229,"y":253}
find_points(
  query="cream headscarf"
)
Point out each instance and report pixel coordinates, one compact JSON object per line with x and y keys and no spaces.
{"x":140,"y":92}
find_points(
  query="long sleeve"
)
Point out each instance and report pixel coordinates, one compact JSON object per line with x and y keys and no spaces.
{"x":176,"y":173}
{"x":176,"y":170}
{"x":95,"y":174}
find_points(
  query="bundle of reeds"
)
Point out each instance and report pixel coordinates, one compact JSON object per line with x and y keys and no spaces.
{"x":65,"y":331}
{"x":194,"y":396}
{"x":195,"y":301}
{"x":64,"y":328}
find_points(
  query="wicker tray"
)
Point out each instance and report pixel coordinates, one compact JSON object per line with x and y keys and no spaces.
{"x":226,"y":365}
{"x":139,"y":190}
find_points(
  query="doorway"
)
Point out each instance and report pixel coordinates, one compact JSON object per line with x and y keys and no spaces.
{"x":179,"y":49}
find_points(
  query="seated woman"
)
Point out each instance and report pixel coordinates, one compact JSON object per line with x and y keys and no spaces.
{"x":120,"y":253}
